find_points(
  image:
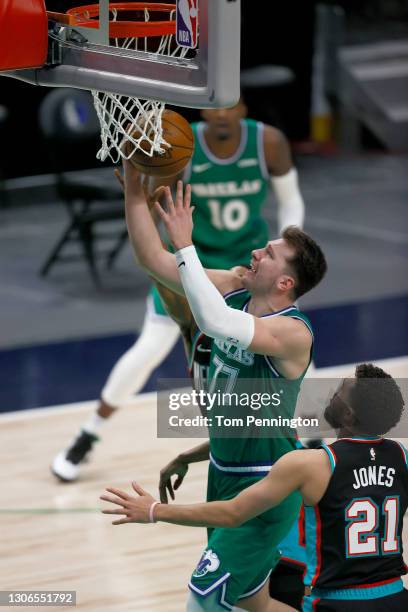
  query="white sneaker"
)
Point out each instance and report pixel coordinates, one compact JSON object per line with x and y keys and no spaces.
{"x":66,"y":464}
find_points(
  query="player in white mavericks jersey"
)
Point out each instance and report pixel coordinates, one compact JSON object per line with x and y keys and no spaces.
{"x":243,"y":155}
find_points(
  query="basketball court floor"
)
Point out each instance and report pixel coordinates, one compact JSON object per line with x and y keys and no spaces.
{"x":60,"y":337}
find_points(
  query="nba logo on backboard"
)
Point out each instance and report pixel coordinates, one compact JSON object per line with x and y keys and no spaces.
{"x":187,"y":23}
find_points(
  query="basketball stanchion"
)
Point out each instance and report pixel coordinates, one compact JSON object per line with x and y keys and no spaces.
{"x":131,"y":125}
{"x":135,"y":57}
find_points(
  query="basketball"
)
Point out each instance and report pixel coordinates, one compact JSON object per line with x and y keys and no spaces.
{"x":178,"y":134}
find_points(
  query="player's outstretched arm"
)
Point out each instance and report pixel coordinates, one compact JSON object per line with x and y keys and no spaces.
{"x":176,"y":305}
{"x":143,"y":233}
{"x":289,"y":474}
{"x":285,"y":477}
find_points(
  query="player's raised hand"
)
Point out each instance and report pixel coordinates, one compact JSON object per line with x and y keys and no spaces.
{"x":178,"y":218}
{"x":178,"y":468}
{"x":133,"y":509}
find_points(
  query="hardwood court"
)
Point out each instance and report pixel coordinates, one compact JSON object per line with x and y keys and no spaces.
{"x":53,"y":535}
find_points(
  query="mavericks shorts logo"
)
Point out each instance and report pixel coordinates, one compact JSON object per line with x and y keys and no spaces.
{"x":209,"y":562}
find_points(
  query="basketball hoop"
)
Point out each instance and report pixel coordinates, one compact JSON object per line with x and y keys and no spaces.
{"x":126,"y":119}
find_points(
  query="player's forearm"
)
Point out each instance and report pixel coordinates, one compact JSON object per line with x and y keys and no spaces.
{"x":211,"y":514}
{"x":196,"y":454}
{"x":143,"y":234}
{"x":147,"y":245}
{"x":291,"y":208}
{"x":211,"y":313}
{"x":227,"y":513}
{"x":248,"y":504}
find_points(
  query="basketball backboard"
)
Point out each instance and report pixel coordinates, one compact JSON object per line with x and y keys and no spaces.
{"x":92,"y":48}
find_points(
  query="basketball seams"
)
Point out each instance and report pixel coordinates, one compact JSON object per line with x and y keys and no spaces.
{"x":177,"y":127}
{"x":177,"y":146}
{"x":181,"y":132}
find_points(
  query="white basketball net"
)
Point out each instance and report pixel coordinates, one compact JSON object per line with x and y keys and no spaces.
{"x":130,"y":119}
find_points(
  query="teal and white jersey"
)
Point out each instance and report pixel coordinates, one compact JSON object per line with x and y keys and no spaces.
{"x":228,"y":195}
{"x":235,"y":369}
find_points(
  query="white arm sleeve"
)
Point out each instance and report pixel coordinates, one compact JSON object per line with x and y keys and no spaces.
{"x":209,"y":309}
{"x":291,"y":208}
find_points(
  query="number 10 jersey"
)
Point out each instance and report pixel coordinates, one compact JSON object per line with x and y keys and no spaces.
{"x":229,"y":195}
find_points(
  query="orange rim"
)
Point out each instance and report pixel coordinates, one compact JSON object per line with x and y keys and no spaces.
{"x":83,"y":16}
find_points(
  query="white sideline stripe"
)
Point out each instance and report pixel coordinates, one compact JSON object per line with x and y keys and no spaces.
{"x":389,"y":365}
{"x":17,"y":415}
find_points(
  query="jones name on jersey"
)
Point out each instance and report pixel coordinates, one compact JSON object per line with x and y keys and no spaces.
{"x":379,"y":475}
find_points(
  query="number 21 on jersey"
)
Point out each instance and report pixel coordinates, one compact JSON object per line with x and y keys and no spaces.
{"x":362,"y":538}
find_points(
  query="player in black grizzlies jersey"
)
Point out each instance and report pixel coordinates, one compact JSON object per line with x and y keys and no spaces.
{"x":354,"y":531}
{"x":355,"y":493}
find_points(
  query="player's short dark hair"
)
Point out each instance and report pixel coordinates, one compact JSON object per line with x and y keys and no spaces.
{"x":309,"y":262}
{"x":376,"y":400}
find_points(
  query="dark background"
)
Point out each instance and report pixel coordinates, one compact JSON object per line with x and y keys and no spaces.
{"x":272,"y":33}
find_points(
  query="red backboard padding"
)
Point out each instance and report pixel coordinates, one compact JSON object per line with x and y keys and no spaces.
{"x":23,"y":34}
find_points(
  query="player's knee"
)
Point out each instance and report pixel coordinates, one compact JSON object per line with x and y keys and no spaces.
{"x":156,"y":340}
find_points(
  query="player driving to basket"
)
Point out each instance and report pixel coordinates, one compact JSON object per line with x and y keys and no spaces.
{"x":355,"y":491}
{"x":286,"y":580}
{"x":257,"y":334}
{"x":236,"y":163}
